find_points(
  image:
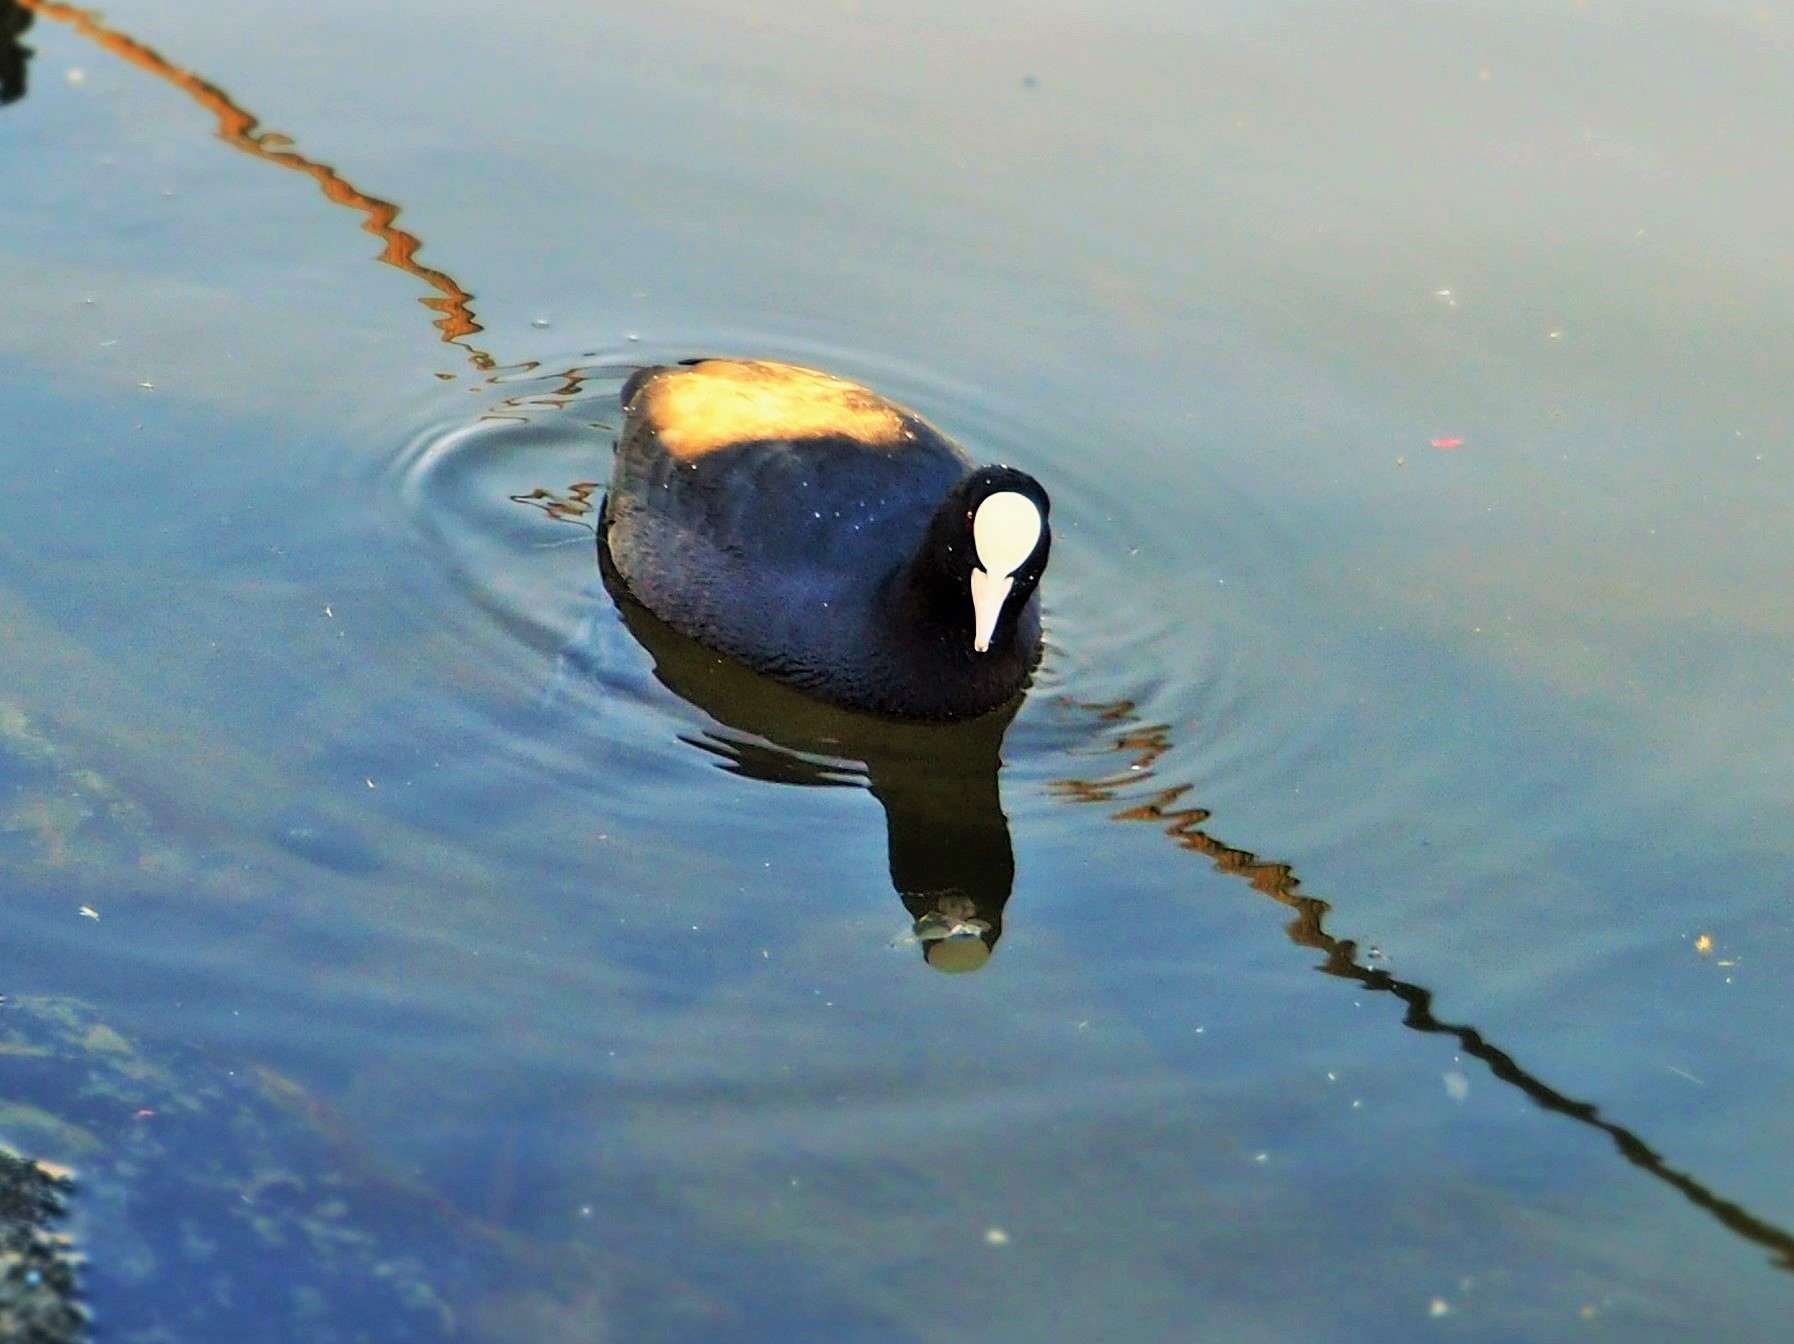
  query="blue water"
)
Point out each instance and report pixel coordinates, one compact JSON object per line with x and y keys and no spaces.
{"x":375,"y":795}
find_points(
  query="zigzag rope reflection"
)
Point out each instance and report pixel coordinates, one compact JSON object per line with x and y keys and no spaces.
{"x":1145,"y":744}
{"x":241,"y":130}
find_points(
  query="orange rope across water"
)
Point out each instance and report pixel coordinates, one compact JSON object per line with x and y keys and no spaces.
{"x":241,"y":130}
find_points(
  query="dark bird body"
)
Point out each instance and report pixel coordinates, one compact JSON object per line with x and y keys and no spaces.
{"x":818,"y":533}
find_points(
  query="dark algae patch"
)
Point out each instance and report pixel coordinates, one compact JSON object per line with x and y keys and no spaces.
{"x":39,"y":1299}
{"x":210,"y":1197}
{"x":217,"y":1200}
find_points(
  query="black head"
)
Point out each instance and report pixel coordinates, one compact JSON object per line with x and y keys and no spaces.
{"x":986,"y":549}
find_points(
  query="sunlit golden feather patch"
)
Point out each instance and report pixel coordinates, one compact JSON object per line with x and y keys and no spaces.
{"x":722,"y":402}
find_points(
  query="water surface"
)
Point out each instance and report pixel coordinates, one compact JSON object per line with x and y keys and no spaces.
{"x":1412,"y":389}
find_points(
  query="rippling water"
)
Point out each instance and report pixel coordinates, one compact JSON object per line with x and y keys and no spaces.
{"x":429,"y":945}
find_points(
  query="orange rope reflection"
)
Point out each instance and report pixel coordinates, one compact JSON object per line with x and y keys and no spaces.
{"x":240,"y":129}
{"x":1144,"y":745}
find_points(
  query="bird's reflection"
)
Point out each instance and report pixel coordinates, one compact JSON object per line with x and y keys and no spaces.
{"x":15,"y":56}
{"x":950,"y":856}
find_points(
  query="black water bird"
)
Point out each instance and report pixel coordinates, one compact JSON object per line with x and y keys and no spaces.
{"x":827,"y":537}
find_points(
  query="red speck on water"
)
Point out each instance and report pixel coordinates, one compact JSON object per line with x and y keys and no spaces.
{"x":1448,"y":443}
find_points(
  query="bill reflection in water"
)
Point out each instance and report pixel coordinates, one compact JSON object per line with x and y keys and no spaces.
{"x":950,"y":856}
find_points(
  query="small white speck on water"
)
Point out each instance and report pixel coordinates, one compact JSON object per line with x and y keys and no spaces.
{"x":1457,"y":1086}
{"x":1332,"y":1077}
{"x":632,"y":336}
{"x":1261,"y":1158}
{"x":76,"y":75}
{"x":1357,"y":1105}
{"x":995,"y":1236}
{"x":585,"y":1210}
{"x":370,"y":783}
{"x":147,"y":386}
{"x":538,"y":322}
{"x":88,"y":912}
{"x":1438,"y":1307}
